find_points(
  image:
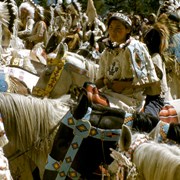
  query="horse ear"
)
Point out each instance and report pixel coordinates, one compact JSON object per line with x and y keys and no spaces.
{"x":61,"y":51}
{"x":125,"y":138}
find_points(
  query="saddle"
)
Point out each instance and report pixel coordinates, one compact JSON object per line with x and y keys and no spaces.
{"x":91,"y":97}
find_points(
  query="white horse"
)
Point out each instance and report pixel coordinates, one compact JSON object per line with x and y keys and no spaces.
{"x":150,"y":160}
{"x":65,"y":70}
{"x":30,"y":125}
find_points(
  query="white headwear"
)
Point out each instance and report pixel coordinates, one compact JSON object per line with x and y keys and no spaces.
{"x":91,"y":11}
{"x":122,"y":17}
{"x":29,"y":8}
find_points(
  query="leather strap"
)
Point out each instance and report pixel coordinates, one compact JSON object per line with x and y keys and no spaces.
{"x":76,"y":69}
{"x":51,"y":83}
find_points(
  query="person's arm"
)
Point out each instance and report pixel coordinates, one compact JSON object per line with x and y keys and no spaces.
{"x":118,"y":86}
{"x":39,"y":33}
{"x":100,"y":83}
{"x":28,"y":29}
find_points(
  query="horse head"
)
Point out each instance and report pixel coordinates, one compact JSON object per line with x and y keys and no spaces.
{"x":64,"y":70}
{"x":137,"y":147}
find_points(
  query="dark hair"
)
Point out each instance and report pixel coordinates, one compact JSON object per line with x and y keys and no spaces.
{"x":144,"y":122}
{"x":153,"y":41}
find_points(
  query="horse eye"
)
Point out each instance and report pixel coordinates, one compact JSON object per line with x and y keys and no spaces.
{"x":48,"y":71}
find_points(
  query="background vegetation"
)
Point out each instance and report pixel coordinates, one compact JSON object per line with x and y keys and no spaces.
{"x":143,"y":7}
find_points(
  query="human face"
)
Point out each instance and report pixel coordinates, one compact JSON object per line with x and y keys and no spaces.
{"x":117,"y":31}
{"x":24,"y":13}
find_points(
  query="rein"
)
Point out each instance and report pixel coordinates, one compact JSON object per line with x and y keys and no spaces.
{"x":82,"y":128}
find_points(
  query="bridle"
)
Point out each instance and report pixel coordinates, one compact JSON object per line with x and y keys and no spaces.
{"x":82,"y":129}
{"x":56,"y":74}
{"x":59,"y":66}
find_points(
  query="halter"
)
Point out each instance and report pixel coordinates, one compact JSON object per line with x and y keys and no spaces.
{"x":60,"y":66}
{"x":82,"y":129}
{"x":135,"y":145}
{"x":52,"y":80}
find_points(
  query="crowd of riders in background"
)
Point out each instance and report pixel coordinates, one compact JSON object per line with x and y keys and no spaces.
{"x":80,"y":28}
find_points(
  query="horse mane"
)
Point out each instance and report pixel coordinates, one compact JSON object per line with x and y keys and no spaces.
{"x":27,"y":114}
{"x":159,"y":158}
{"x":30,"y":122}
{"x":163,"y":159}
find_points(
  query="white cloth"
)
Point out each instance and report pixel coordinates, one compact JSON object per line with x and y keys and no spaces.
{"x":116,"y":64}
{"x":161,"y":87}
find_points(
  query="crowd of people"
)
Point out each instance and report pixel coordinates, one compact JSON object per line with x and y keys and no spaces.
{"x":139,"y":57}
